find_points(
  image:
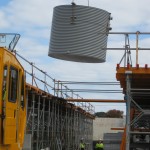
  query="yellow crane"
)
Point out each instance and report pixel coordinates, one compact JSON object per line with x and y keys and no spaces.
{"x":12,"y":102}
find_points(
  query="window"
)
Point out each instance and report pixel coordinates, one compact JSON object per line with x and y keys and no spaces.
{"x":4,"y":83}
{"x":22,"y":92}
{"x":13,"y":78}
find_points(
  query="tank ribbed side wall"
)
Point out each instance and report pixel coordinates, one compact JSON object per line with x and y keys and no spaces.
{"x":79,"y":39}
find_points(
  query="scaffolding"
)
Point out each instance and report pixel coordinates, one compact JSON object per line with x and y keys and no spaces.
{"x":136,"y":86}
{"x":135,"y":82}
{"x":53,"y":123}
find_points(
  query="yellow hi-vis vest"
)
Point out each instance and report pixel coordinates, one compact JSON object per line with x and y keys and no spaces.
{"x":82,"y":145}
{"x":99,"y":145}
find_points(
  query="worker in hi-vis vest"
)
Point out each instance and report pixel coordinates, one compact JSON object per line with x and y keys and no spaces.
{"x":99,"y":145}
{"x":82,"y":145}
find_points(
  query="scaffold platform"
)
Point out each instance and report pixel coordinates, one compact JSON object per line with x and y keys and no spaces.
{"x":135,"y":82}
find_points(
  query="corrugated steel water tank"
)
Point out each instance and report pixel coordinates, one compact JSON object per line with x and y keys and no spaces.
{"x":79,"y":33}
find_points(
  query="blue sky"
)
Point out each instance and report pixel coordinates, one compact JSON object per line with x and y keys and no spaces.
{"x":4,"y":2}
{"x":32,"y":19}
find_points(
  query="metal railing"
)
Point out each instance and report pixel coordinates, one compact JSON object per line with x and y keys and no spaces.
{"x":9,"y":40}
{"x":40,"y":78}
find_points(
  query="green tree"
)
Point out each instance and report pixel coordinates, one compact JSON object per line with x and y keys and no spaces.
{"x":114,"y":113}
{"x":110,"y":114}
{"x":101,"y":114}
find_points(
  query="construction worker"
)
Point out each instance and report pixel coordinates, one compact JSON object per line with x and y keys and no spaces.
{"x":82,"y":145}
{"x":99,"y":145}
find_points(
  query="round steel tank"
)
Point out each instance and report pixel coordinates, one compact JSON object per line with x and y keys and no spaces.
{"x":79,"y":33}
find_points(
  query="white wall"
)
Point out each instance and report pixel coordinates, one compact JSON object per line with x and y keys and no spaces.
{"x":104,"y":125}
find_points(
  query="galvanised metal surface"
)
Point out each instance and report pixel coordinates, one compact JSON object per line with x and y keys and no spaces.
{"x":137,"y":97}
{"x":79,"y":33}
{"x":54,"y":124}
{"x":112,"y":141}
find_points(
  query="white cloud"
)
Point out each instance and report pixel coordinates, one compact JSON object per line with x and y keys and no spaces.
{"x":127,"y":14}
{"x":32,"y":19}
{"x":26,"y":13}
{"x":4,"y":23}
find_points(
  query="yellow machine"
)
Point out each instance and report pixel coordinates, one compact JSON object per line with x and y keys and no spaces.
{"x":20,"y":100}
{"x":12,"y":101}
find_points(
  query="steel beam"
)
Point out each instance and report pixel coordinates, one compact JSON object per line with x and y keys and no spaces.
{"x":97,"y":100}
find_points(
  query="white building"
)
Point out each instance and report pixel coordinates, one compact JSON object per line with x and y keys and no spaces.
{"x":104,"y":125}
